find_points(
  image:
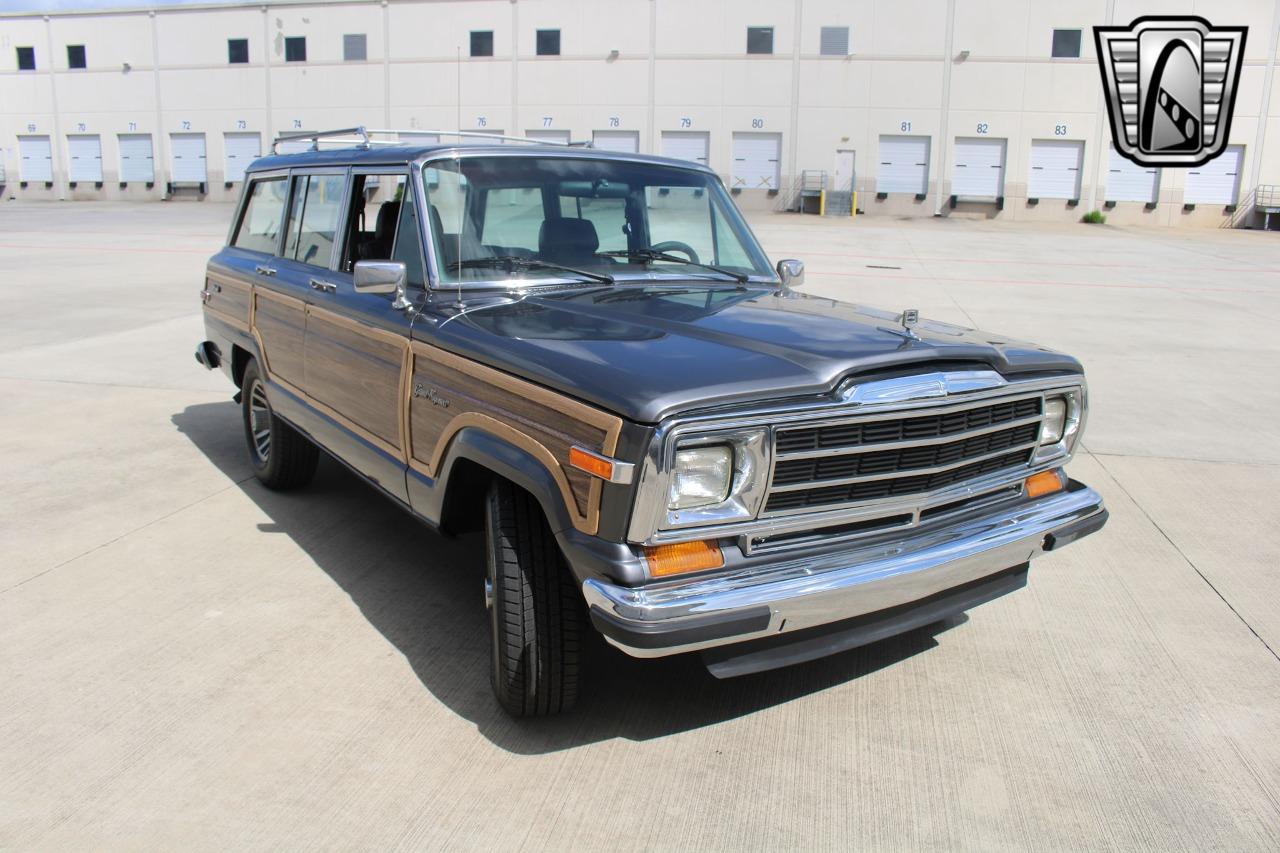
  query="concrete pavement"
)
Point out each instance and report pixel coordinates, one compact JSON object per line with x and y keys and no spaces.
{"x":190,"y":661}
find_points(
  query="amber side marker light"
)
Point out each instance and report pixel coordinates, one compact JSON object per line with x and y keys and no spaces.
{"x":590,"y":463}
{"x":1045,"y":483}
{"x":682,"y":557}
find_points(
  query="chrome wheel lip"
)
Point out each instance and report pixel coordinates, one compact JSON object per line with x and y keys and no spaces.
{"x":259,"y":423}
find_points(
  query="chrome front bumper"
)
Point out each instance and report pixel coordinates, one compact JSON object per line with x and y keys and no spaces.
{"x":798,"y":593}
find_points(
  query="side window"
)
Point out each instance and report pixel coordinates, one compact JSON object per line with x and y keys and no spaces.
{"x":608,"y":215}
{"x":313,"y":218}
{"x":259,"y":230}
{"x":383,"y":225}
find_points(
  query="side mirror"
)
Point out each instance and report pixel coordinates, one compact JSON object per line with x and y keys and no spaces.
{"x":383,"y":277}
{"x":791,"y":272}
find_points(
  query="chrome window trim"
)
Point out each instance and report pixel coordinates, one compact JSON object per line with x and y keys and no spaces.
{"x":646,"y":526}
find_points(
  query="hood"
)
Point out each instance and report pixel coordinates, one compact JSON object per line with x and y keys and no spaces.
{"x":647,"y":352}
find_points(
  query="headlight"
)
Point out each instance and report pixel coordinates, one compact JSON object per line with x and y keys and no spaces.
{"x":1061,"y":424}
{"x":1055,"y":420}
{"x":701,"y":476}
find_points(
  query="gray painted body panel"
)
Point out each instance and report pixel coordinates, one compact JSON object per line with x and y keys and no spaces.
{"x":647,"y":352}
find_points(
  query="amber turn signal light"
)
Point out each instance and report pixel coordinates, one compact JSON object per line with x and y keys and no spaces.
{"x":595,"y":465}
{"x":1045,"y":483}
{"x":682,"y":557}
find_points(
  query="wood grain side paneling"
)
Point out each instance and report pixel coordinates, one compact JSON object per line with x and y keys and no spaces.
{"x":356,"y":370}
{"x":449,"y":393}
{"x":229,"y":299}
{"x":280,"y":322}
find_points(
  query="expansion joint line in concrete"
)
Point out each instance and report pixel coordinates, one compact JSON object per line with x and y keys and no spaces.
{"x":1184,"y":556}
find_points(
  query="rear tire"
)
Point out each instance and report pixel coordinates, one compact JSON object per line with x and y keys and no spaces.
{"x":535,"y":610}
{"x":282,"y":457}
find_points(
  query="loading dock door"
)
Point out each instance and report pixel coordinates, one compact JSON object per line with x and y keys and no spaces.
{"x":137,"y":162}
{"x":979,"y":171}
{"x":1218,"y":181}
{"x":37,"y":159}
{"x":548,"y":135}
{"x":686,"y":145}
{"x":419,"y":138}
{"x":85,"y":152}
{"x":755,"y":161}
{"x":626,"y":141}
{"x":1055,"y":168}
{"x":188,"y":158}
{"x":240,"y":150}
{"x":903,"y":165}
{"x":1127,"y":181}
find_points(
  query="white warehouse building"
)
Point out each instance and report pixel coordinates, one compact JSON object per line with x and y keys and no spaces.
{"x":924,"y":107}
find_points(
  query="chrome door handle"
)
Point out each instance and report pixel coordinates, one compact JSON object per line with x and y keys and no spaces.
{"x":264,"y":270}
{"x":324,"y":286}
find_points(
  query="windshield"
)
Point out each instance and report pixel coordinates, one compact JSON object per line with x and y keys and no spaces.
{"x":498,"y":218}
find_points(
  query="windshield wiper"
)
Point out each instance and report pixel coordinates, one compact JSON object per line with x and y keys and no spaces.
{"x":651,"y":255}
{"x":511,"y":263}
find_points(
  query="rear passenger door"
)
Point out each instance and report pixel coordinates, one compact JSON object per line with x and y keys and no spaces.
{"x":357,"y":343}
{"x":286,"y":283}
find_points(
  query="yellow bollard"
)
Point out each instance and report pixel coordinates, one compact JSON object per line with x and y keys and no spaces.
{"x":822,"y":202}
{"x":853,"y":204}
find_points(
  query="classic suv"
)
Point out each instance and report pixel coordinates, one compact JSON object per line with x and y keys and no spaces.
{"x":588,"y":356}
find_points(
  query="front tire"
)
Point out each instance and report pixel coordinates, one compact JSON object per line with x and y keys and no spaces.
{"x":282,"y":457}
{"x":535,"y":610}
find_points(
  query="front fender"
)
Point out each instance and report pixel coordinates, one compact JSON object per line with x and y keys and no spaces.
{"x":505,"y":459}
{"x":588,"y":555}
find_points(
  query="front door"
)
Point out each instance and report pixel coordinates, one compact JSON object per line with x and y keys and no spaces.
{"x":357,"y":343}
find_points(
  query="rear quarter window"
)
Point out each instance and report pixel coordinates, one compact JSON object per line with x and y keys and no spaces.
{"x":259,"y":229}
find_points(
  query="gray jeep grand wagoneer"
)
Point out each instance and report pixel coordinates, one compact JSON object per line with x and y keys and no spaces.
{"x":588,"y":356}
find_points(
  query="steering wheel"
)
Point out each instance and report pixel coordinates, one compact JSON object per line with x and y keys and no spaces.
{"x":676,"y":246}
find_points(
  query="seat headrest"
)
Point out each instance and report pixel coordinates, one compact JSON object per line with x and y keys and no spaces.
{"x":388,"y":214}
{"x":567,"y":237}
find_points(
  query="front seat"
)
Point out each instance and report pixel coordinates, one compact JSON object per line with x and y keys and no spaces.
{"x":378,"y":247}
{"x":568,"y":241}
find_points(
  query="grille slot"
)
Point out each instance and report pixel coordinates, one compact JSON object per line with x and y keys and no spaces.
{"x":793,"y":471}
{"x":891,"y":488}
{"x":826,"y":466}
{"x":838,"y":436}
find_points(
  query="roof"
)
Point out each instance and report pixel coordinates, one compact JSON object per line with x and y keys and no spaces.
{"x":394,"y":155}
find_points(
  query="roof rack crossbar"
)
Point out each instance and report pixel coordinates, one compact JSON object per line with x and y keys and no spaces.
{"x":365,"y":137}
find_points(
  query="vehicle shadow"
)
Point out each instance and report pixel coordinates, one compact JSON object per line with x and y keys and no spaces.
{"x":422,"y":592}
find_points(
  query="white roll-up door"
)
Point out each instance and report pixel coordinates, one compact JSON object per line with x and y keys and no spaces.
{"x":1218,"y":181}
{"x":188,"y":158}
{"x":240,"y":149}
{"x":137,"y":162}
{"x":1127,"y":181}
{"x":755,"y":161}
{"x":419,"y":138}
{"x":37,"y":159}
{"x":295,"y":147}
{"x":626,"y":141}
{"x":979,"y":171}
{"x":84,"y":151}
{"x":548,"y":135}
{"x":1055,"y":168}
{"x":686,"y":145}
{"x":903,"y":164}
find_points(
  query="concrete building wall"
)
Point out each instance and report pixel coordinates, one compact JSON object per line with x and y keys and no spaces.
{"x":942,"y":69}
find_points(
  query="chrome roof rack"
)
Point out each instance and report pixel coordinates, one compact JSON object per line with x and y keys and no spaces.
{"x":362,"y":137}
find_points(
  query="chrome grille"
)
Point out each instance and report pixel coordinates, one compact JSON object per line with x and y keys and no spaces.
{"x":830,"y":465}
